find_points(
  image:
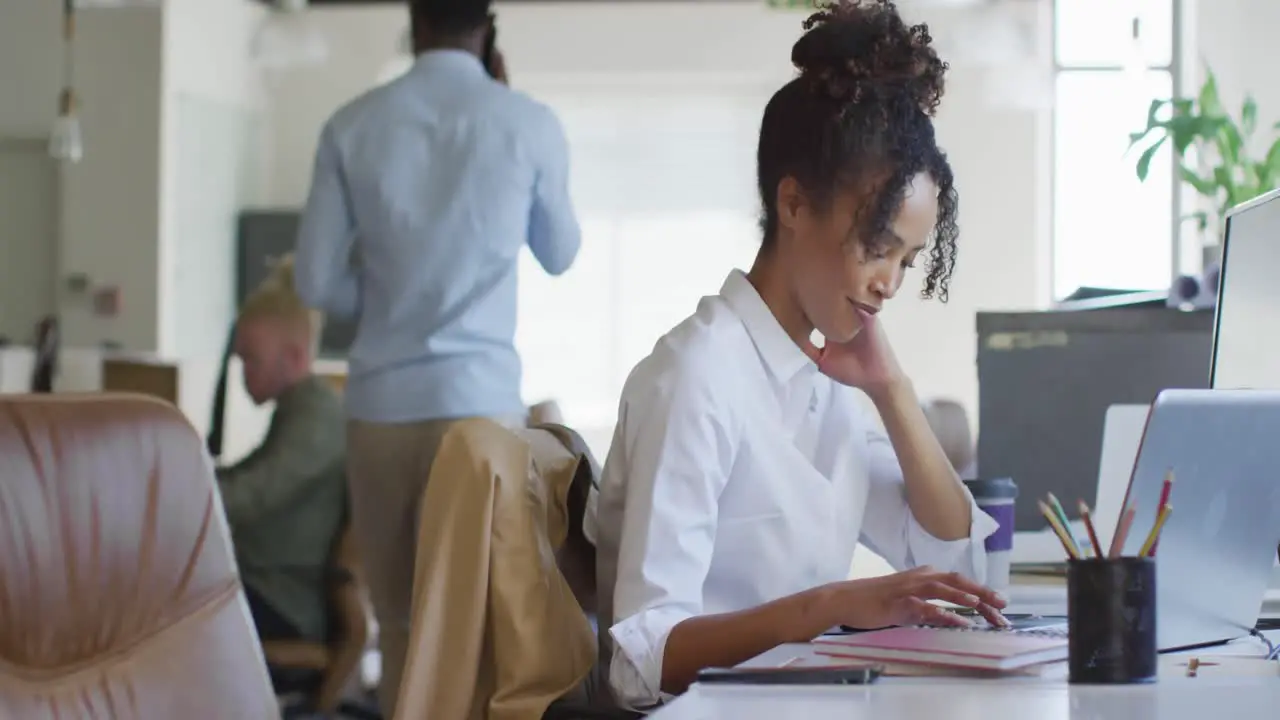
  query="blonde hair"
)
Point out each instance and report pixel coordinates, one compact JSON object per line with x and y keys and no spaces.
{"x":275,"y":299}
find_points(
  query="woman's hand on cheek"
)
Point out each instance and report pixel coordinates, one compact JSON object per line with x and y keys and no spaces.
{"x":866,"y":362}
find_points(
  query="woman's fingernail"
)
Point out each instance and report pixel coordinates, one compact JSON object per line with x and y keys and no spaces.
{"x":972,"y":600}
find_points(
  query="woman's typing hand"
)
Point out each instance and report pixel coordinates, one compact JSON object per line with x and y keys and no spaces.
{"x":904,"y":599}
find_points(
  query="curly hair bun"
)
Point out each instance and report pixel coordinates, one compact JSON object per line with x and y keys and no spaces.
{"x":855,"y":50}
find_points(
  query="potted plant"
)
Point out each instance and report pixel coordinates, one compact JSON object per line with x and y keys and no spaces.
{"x":1211,"y":151}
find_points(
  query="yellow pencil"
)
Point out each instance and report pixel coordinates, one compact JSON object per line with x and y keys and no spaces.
{"x":1155,"y":531}
{"x":1066,"y":522}
{"x":1063,"y":537}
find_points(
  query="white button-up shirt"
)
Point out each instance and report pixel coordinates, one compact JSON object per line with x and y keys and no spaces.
{"x":740,"y":474}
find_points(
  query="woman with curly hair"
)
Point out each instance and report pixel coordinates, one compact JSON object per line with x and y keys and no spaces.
{"x":744,"y":470}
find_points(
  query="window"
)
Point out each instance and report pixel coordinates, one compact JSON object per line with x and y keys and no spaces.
{"x":664,"y":187}
{"x":1112,"y":58}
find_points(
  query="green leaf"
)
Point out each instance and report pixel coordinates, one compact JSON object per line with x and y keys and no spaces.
{"x":1249,"y":116}
{"x":1187,"y":129}
{"x":1209,"y":102}
{"x":1250,"y":177}
{"x":1223,"y":178}
{"x":1144,"y":162}
{"x":1201,"y":217}
{"x":1137,"y":137}
{"x":1273,"y":159}
{"x":1153,"y":109}
{"x":1204,"y":186}
{"x":1230,"y":142}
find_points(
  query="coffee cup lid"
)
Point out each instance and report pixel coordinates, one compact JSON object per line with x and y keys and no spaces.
{"x":992,"y":488}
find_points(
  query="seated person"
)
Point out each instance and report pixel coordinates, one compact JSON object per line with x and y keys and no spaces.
{"x":744,"y":469}
{"x":286,"y":501}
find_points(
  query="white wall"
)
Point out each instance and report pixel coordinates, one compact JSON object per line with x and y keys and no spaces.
{"x":705,"y":59}
{"x":1236,"y":38}
{"x":169,"y":103}
{"x":110,"y":210}
{"x":213,"y":164}
{"x":30,"y":67}
{"x":107,"y":219}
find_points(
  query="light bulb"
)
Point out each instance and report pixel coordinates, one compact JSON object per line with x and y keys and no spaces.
{"x":66,"y":143}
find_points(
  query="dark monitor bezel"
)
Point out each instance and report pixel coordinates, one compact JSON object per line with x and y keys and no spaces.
{"x":1222,"y":273}
{"x":1217,"y":305}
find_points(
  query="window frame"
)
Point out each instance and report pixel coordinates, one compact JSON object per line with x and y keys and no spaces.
{"x":1175,"y":69}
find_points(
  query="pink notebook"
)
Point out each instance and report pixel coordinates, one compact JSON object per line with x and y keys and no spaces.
{"x":980,"y":648}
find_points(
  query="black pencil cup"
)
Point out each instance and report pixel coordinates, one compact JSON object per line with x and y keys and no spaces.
{"x":1111,"y":615}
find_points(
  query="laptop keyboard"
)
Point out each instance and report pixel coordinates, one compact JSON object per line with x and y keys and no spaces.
{"x":1054,"y":631}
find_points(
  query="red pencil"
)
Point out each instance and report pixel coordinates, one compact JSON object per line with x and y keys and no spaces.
{"x":1164,"y":500}
{"x":1088,"y":526}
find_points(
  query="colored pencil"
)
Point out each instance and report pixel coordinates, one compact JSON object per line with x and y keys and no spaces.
{"x":1058,"y":530}
{"x":1088,"y":526}
{"x":1066,"y":522}
{"x":1149,"y":547}
{"x":1164,"y":500}
{"x":1122,"y":532}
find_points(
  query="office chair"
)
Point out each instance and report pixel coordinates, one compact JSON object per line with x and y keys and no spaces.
{"x":121,"y":594}
{"x":48,"y":342}
{"x":321,"y":670}
{"x":218,"y":417}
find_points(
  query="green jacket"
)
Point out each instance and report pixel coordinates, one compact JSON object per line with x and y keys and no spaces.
{"x":286,"y":501}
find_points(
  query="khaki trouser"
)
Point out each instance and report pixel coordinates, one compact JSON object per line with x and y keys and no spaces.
{"x":387,"y":469}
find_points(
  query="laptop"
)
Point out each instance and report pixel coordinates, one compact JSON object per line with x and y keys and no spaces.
{"x":1218,"y":546}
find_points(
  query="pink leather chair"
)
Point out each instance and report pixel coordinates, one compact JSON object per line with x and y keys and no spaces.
{"x":119,"y":596}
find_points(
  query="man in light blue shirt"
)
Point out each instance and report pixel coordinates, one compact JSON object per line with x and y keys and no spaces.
{"x":424,"y":192}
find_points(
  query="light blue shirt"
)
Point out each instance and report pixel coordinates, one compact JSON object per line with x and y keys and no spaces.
{"x":424,"y":192}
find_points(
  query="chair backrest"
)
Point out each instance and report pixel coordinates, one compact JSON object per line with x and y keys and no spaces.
{"x":338,"y":659}
{"x":48,"y":343}
{"x":950,"y":425}
{"x":498,"y":631}
{"x":217,"y":419}
{"x":349,"y":615}
{"x":119,"y":596}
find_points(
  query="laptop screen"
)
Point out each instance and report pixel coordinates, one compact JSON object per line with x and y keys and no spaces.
{"x":1246,"y":347}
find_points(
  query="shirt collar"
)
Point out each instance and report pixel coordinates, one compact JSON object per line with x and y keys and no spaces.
{"x":780,"y":353}
{"x":449,"y":61}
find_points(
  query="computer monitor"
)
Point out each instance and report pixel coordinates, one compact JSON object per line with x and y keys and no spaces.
{"x":1246,"y":346}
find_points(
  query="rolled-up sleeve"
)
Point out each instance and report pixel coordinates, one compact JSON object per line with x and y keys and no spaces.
{"x":679,"y":446}
{"x":891,"y":530}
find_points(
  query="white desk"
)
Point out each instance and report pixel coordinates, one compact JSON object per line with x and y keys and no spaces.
{"x":1189,"y":699}
{"x":1245,"y":687}
{"x":799,"y":654}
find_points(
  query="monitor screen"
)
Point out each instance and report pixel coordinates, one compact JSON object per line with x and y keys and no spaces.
{"x":1246,"y":344}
